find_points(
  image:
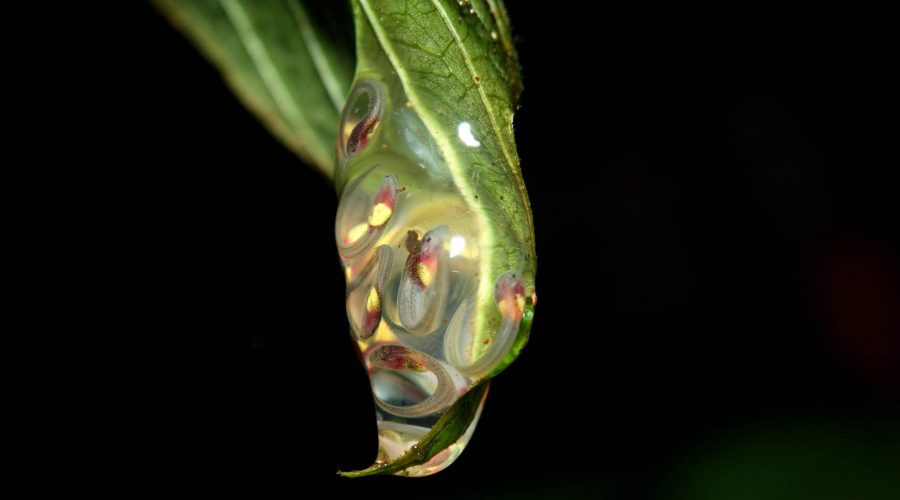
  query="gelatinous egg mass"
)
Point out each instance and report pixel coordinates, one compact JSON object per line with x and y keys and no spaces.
{"x":412,"y":246}
{"x":361,"y":118}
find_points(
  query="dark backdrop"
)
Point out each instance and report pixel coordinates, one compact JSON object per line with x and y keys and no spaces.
{"x":717,"y":273}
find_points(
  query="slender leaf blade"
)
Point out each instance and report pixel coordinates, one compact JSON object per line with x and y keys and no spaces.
{"x":290,"y":70}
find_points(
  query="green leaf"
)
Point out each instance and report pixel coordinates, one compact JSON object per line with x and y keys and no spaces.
{"x":292,"y":69}
{"x":457,"y":64}
{"x":448,"y":429}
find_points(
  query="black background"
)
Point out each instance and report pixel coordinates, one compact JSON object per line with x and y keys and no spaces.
{"x":718,"y":260}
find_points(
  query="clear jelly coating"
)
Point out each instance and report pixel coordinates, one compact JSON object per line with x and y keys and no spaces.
{"x":410,"y":247}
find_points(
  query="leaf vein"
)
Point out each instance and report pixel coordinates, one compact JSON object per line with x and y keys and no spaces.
{"x":317,"y":55}
{"x":467,"y":60}
{"x":263,"y":62}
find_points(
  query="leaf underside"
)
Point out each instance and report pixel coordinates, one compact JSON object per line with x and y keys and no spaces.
{"x":288,"y":61}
